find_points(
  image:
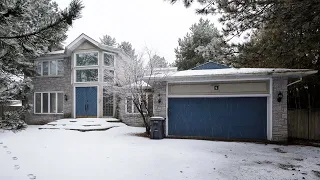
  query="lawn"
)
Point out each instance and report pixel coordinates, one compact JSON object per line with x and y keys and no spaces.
{"x":117,"y":154}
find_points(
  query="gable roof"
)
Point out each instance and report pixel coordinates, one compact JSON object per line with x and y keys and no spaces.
{"x":210,"y":65}
{"x":83,"y":37}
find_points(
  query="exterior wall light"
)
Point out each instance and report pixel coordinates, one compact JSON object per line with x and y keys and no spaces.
{"x":65,"y":97}
{"x":280,"y":96}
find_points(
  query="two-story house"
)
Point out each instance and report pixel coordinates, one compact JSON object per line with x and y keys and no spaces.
{"x":74,"y":82}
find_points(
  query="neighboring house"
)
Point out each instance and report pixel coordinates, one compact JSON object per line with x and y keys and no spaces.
{"x":227,"y":103}
{"x":73,"y":82}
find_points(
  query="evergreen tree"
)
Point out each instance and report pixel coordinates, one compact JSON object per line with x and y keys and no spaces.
{"x":157,"y":62}
{"x":204,"y":43}
{"x":28,"y":29}
{"x":108,"y":40}
{"x":127,"y":48}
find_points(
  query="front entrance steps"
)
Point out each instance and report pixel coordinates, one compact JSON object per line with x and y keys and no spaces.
{"x":84,"y":124}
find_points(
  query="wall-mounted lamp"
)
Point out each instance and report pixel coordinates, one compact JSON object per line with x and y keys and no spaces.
{"x":280,"y":96}
{"x":65,"y":97}
{"x":159,"y":98}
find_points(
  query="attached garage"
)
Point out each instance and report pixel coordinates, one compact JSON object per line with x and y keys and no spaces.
{"x":220,"y":102}
{"x":223,"y":110}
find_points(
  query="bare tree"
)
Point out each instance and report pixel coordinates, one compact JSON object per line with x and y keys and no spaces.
{"x":136,"y":83}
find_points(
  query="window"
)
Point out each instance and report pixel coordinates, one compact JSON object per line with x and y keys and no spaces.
{"x":108,"y":75}
{"x":132,"y":109}
{"x":50,"y":68}
{"x":48,"y":103}
{"x":108,"y":59}
{"x":86,"y":75}
{"x":86,"y":59}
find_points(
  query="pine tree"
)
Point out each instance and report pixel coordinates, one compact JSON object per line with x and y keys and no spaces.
{"x":157,"y":62}
{"x":28,"y":29}
{"x":108,"y":40}
{"x":203,"y":43}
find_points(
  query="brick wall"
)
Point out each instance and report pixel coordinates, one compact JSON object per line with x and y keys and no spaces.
{"x":279,"y":110}
{"x":159,"y":109}
{"x":58,"y":83}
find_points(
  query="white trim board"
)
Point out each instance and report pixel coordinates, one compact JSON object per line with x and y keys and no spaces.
{"x":220,"y":80}
{"x":218,"y":96}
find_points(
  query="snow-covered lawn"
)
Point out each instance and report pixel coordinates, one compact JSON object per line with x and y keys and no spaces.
{"x":116,"y":154}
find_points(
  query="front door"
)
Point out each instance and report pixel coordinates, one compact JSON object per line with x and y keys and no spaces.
{"x":86,"y":101}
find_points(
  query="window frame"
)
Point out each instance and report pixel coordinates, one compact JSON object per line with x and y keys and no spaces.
{"x":49,"y":99}
{"x":83,"y":52}
{"x":114,"y":59}
{"x":133,"y":106}
{"x":104,"y":73}
{"x":49,"y":68}
{"x":75,"y":75}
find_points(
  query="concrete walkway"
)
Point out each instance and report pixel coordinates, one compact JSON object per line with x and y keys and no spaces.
{"x":83,"y":124}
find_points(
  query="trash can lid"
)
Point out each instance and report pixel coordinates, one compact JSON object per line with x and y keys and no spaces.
{"x":157,"y":118}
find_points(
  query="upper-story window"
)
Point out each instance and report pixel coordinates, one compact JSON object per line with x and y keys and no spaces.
{"x":49,"y":67}
{"x":87,"y":75}
{"x":87,"y":59}
{"x":108,"y":59}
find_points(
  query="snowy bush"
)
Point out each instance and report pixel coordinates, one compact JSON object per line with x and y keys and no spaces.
{"x":13,"y":120}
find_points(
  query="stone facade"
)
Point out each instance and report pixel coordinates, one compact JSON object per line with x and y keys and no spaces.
{"x":279,"y":110}
{"x":159,"y":109}
{"x":129,"y":119}
{"x":47,"y":84}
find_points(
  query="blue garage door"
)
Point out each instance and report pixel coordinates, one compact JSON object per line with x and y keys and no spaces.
{"x":226,"y":118}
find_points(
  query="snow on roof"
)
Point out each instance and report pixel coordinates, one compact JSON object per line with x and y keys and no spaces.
{"x":141,"y":83}
{"x":56,"y":52}
{"x":239,"y":72}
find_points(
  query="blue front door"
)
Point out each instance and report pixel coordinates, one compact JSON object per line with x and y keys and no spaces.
{"x":86,"y":101}
{"x":226,"y":118}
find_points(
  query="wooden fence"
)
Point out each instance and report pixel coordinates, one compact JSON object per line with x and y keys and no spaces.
{"x":304,"y":124}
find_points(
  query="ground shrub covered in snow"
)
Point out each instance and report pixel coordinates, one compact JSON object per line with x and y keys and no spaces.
{"x":13,"y":120}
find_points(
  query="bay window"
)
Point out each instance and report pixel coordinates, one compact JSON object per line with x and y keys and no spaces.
{"x":87,"y":75}
{"x":108,"y":75}
{"x":108,"y":59}
{"x":86,"y":58}
{"x":48,"y":103}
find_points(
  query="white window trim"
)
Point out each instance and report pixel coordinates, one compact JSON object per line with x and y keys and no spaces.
{"x":41,"y":102}
{"x":88,"y":82}
{"x":114,"y":60}
{"x":49,"y":69}
{"x":83,"y":52}
{"x":135,"y":113}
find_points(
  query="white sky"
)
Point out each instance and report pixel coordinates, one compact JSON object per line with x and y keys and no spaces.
{"x":155,"y":24}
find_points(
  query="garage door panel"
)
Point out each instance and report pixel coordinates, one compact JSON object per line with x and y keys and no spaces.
{"x":218,"y":117}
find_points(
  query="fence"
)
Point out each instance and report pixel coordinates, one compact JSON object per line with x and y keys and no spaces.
{"x":304,"y":124}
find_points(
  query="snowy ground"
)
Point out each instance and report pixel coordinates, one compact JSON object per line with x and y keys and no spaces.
{"x":116,"y":154}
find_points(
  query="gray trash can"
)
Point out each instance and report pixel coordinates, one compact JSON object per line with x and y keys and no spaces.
{"x":157,"y":127}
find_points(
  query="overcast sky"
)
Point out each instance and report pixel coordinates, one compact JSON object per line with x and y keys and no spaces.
{"x":155,"y":24}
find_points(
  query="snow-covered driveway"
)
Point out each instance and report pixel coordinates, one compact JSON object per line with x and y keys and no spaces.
{"x":115,"y":154}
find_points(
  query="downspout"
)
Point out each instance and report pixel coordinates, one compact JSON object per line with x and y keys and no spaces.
{"x":295,"y":82}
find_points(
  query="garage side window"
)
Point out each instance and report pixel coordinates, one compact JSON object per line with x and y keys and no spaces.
{"x":48,"y":103}
{"x":132,"y":109}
